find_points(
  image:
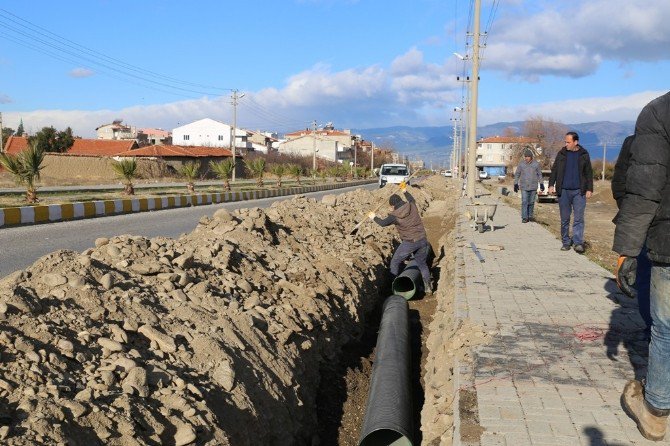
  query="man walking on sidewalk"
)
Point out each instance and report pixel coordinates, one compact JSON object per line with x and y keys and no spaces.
{"x":644,"y":215}
{"x":572,"y":180}
{"x":526,"y":177}
{"x":405,"y":215}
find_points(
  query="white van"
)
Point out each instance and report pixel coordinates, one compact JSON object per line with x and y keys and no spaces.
{"x":393,"y":174}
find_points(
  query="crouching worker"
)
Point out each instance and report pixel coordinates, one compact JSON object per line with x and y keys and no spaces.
{"x":405,"y":215}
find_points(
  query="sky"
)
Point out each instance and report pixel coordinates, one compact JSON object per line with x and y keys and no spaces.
{"x":356,"y":63}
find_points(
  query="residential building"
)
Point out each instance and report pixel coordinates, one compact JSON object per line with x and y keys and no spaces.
{"x":156,"y":137}
{"x":116,"y":130}
{"x":261,"y":141}
{"x":328,"y":144}
{"x":100,"y":147}
{"x":175,"y":156}
{"x":494,"y":154}
{"x":209,"y":133}
{"x":15,"y":145}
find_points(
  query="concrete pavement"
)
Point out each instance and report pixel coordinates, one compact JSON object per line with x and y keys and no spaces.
{"x":564,"y":341}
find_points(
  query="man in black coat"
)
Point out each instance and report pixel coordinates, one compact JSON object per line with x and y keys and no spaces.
{"x":644,"y":216}
{"x":572,"y":180}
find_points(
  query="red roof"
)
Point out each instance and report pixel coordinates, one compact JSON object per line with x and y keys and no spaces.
{"x":509,"y":139}
{"x":16,"y":144}
{"x":101,"y":147}
{"x":178,"y":151}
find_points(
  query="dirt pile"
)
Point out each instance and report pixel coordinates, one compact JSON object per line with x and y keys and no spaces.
{"x":213,"y":338}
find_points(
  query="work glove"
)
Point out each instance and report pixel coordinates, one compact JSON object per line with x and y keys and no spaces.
{"x":371,"y":215}
{"x":403,"y":186}
{"x":626,"y":272}
{"x":516,"y":188}
{"x":542,"y":187}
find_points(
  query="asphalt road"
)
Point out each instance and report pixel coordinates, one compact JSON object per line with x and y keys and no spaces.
{"x":21,"y":246}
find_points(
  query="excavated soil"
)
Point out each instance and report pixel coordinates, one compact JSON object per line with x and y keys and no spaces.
{"x":218,"y":337}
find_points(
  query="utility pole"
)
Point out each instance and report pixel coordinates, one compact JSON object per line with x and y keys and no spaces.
{"x":355,"y":160}
{"x":372,"y":159}
{"x":233,"y":130}
{"x":474,"y":88}
{"x":454,"y":150}
{"x":314,"y":147}
{"x":602,"y":178}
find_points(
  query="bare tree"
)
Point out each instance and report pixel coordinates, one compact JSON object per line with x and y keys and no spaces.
{"x":549,"y":134}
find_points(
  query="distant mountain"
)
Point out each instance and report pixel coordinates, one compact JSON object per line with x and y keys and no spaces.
{"x":435,"y":143}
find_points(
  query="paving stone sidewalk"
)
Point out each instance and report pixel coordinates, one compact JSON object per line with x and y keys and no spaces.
{"x":564,"y":339}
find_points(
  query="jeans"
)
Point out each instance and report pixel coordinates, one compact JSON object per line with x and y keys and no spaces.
{"x":572,"y":201}
{"x":657,"y":389}
{"x":420,"y":250}
{"x":527,"y":203}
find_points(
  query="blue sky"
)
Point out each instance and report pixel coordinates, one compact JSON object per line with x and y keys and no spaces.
{"x":356,"y":63}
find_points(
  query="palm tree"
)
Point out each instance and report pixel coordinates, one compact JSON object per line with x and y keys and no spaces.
{"x":126,"y":169}
{"x":296,"y":171}
{"x":26,"y":168}
{"x":257,"y":167}
{"x":223,"y":171}
{"x":190,"y":170}
{"x":278,"y":170}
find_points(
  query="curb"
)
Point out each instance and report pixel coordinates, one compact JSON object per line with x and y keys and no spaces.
{"x":26,"y":215}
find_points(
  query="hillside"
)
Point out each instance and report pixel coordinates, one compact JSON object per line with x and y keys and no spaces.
{"x":434,"y":143}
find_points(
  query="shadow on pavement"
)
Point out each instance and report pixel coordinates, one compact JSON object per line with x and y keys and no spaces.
{"x":626,"y":328}
{"x":596,"y":438}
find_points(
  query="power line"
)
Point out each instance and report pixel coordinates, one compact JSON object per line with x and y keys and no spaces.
{"x":46,"y":42}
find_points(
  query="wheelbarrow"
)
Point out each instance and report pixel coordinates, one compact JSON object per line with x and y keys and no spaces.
{"x":480,"y":213}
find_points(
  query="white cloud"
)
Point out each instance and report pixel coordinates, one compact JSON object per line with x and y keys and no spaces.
{"x":572,"y":111}
{"x":572,"y":38}
{"x":81,"y":72}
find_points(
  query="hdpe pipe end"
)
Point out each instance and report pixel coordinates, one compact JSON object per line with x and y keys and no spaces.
{"x":386,"y":437}
{"x":404,"y":286}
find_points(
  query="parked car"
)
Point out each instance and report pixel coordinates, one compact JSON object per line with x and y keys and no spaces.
{"x":483,"y":175}
{"x":446,"y":173}
{"x":546,"y":196}
{"x":393,"y":173}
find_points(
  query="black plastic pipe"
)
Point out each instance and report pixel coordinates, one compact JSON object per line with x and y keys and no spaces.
{"x":388,"y":414}
{"x":407,"y":283}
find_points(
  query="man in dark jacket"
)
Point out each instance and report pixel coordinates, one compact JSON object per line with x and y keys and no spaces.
{"x":405,"y":216}
{"x":644,"y":215}
{"x":572,"y":180}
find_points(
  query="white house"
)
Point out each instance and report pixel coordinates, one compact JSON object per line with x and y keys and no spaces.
{"x":208,"y":133}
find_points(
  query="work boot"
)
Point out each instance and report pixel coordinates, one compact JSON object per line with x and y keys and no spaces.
{"x":427,"y":288}
{"x":651,"y":422}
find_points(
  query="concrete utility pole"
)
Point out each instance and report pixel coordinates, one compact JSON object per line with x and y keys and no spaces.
{"x":602,"y":178}
{"x":372,"y":159}
{"x":454,"y":150}
{"x":314,"y":147}
{"x":474,"y":88}
{"x":355,"y":160}
{"x":233,"y":130}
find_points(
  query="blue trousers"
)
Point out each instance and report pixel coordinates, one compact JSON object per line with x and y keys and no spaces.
{"x":572,"y":202}
{"x":420,"y":250}
{"x":527,"y":203}
{"x":657,"y":389}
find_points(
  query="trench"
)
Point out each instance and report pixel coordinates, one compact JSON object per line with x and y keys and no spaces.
{"x":343,"y":392}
